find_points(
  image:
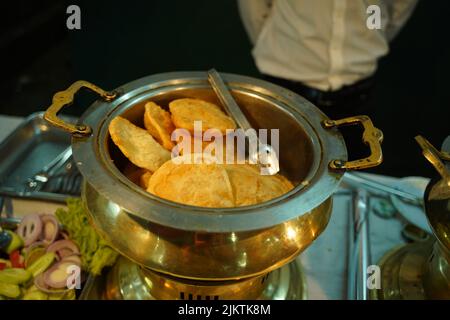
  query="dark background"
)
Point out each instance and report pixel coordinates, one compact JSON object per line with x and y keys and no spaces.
{"x":123,"y":41}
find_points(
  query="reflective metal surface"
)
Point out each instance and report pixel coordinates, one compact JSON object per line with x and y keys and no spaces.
{"x":204,"y":255}
{"x":25,"y":152}
{"x":415,"y":271}
{"x":436,"y":278}
{"x":402,"y":270}
{"x":306,"y":148}
{"x":441,"y":188}
{"x":421,"y":270}
{"x":211,"y":243}
{"x":128,"y":281}
{"x":371,"y":137}
{"x":65,"y":98}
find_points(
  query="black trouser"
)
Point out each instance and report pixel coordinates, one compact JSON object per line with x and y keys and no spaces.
{"x":349,"y":101}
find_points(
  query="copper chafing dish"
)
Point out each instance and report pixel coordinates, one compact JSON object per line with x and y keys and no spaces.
{"x":205,"y":243}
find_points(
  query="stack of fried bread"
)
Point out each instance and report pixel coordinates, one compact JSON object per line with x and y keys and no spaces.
{"x":199,"y":183}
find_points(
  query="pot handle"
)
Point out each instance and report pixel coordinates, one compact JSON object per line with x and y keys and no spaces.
{"x":64,"y":98}
{"x":434,"y":156}
{"x":372,"y":136}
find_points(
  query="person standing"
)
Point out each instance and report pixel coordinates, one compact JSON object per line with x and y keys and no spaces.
{"x":325,"y":50}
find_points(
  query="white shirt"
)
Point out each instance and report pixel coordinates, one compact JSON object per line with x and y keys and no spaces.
{"x":325,"y":44}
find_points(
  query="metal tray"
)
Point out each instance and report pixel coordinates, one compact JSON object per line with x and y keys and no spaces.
{"x":26,"y":151}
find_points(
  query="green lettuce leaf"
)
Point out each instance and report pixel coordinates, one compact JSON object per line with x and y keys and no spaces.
{"x":95,"y":252}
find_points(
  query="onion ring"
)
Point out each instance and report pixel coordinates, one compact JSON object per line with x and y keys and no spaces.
{"x":30,"y":229}
{"x":63,"y":248}
{"x":50,"y":228}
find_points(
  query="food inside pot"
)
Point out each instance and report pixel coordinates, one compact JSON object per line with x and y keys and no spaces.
{"x":184,"y":156}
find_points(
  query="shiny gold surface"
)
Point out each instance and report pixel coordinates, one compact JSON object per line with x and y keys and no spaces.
{"x":441,"y":190}
{"x":66,"y":97}
{"x":371,"y":136}
{"x":401,"y":271}
{"x":438,"y":203}
{"x":211,"y":243}
{"x":436,"y":279}
{"x":200,"y":255}
{"x":128,"y":281}
{"x":415,"y":271}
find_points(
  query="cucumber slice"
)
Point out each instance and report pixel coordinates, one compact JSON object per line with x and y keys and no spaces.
{"x":9,"y":290}
{"x":42,"y":264}
{"x":14,"y":276}
{"x":15,"y":243}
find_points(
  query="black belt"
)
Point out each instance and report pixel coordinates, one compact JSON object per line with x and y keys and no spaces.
{"x":348,"y":95}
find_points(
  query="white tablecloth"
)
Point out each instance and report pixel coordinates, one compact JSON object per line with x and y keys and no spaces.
{"x":325,"y":261}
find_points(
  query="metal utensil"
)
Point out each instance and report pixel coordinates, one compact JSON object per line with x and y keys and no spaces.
{"x":441,"y":190}
{"x":6,"y":203}
{"x":364,"y":182}
{"x":69,"y":183}
{"x":359,"y":248}
{"x":37,"y":182}
{"x":264,"y":155}
{"x":66,"y":182}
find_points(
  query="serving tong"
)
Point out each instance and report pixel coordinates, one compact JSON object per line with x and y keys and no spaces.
{"x":370,"y":184}
{"x":37,"y":182}
{"x":50,"y":180}
{"x":265,"y":156}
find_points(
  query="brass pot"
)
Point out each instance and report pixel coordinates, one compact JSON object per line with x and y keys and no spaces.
{"x":208,"y":243}
{"x":436,"y":273}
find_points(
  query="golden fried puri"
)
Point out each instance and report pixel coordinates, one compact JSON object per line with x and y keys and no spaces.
{"x":186,"y":111}
{"x":244,"y":183}
{"x":145,"y":179}
{"x":250,"y":187}
{"x":137,"y":144}
{"x":204,"y":185}
{"x":158,"y":122}
{"x":193,"y":178}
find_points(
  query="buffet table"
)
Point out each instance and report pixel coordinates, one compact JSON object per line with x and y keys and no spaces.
{"x":324,"y":262}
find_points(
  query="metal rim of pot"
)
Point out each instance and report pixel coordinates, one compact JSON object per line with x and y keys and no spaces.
{"x":90,"y":138}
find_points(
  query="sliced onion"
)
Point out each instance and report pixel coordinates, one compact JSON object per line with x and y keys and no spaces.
{"x":63,"y":248}
{"x":75,"y":259}
{"x":36,"y":244}
{"x":64,"y":235}
{"x":39,"y":282}
{"x":30,"y":229}
{"x":56,"y":277}
{"x":50,"y":228}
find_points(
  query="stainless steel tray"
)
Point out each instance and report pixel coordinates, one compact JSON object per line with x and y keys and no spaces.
{"x":26,"y":151}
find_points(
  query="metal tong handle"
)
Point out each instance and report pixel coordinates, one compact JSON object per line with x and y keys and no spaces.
{"x":368,"y":183}
{"x":58,"y":162}
{"x":40,"y":178}
{"x":227,"y":100}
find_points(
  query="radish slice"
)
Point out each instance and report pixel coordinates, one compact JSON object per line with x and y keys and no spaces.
{"x":30,"y":229}
{"x":63,"y":248}
{"x":50,"y":228}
